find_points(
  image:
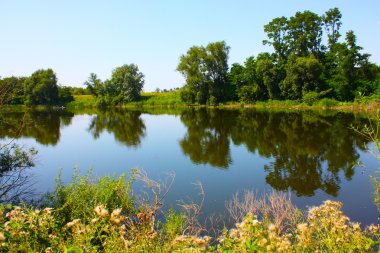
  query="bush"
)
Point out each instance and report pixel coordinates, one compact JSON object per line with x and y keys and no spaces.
{"x":327,"y":102}
{"x":77,"y":199}
{"x":310,"y":98}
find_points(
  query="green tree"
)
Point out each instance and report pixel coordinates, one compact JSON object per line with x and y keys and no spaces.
{"x":206,"y":73}
{"x":349,"y":62}
{"x":126,"y":84}
{"x":332,"y":23}
{"x":12,"y":90}
{"x":64,"y":94}
{"x":95,"y":85}
{"x":305,"y":34}
{"x":236,"y":78}
{"x":277,"y":32}
{"x":41,"y":88}
{"x":269,"y":75}
{"x":303,"y":74}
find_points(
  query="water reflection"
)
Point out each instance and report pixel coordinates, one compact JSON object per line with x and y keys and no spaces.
{"x":43,"y":126}
{"x":127,"y":126}
{"x":305,"y":151}
{"x":308,"y":151}
{"x":207,"y":141}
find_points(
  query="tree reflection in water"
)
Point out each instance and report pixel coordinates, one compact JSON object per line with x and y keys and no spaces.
{"x":308,"y":150}
{"x":127,"y":126}
{"x":43,"y":126}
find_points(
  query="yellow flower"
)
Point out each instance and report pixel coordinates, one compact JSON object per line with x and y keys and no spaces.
{"x":116,"y":212}
{"x":2,"y":237}
{"x":101,"y":211}
{"x":272,"y":227}
{"x":302,"y":227}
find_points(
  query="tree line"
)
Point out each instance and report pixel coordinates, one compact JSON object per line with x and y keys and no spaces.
{"x":40,"y":88}
{"x":301,"y":66}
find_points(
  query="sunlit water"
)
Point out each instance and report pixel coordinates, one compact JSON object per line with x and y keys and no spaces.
{"x":311,"y":155}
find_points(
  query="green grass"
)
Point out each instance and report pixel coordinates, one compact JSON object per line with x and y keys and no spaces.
{"x":159,"y":98}
{"x":82,"y":101}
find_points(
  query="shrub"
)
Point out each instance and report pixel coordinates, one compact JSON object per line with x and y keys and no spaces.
{"x":327,"y":102}
{"x":310,"y":98}
{"x":77,"y":199}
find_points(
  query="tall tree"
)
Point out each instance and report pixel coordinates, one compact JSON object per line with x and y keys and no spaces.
{"x":206,"y":73}
{"x":277,"y":32}
{"x":95,"y":85}
{"x":303,"y":74}
{"x":305,"y":34}
{"x":350,"y":60}
{"x":236,"y":78}
{"x":217,"y":68}
{"x":269,"y":74}
{"x":332,"y":23}
{"x":127,"y":83}
{"x":41,"y":88}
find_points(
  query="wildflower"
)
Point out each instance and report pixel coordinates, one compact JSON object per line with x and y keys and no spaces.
{"x":93,"y":221}
{"x":181,"y":238}
{"x":272,"y":227}
{"x":2,"y":237}
{"x":101,"y":211}
{"x":356,"y":226}
{"x":234,"y":233}
{"x":48,"y":210}
{"x":302,"y":227}
{"x":116,"y":212}
{"x":115,"y":221}
{"x":72,"y":223}
{"x":373,"y":229}
{"x":207,"y":238}
{"x":263,"y":242}
{"x":200,"y":242}
{"x":48,"y":250}
{"x":127,"y":243}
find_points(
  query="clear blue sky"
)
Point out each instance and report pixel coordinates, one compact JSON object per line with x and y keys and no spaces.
{"x":77,"y":37}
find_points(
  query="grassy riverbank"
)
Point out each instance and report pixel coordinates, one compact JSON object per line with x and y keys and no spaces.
{"x":104,"y":215}
{"x":172,"y":99}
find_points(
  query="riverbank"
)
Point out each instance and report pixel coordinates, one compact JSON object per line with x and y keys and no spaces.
{"x":172,"y":99}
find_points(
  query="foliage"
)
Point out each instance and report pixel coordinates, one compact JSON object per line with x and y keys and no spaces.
{"x":205,"y":70}
{"x":325,"y":229}
{"x":303,"y":74}
{"x":41,"y":88}
{"x":12,"y":90}
{"x":125,"y":85}
{"x":75,"y":200}
{"x":64,"y":94}
{"x":14,"y":180}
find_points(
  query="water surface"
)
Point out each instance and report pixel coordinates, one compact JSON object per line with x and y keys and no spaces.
{"x":310,"y":154}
